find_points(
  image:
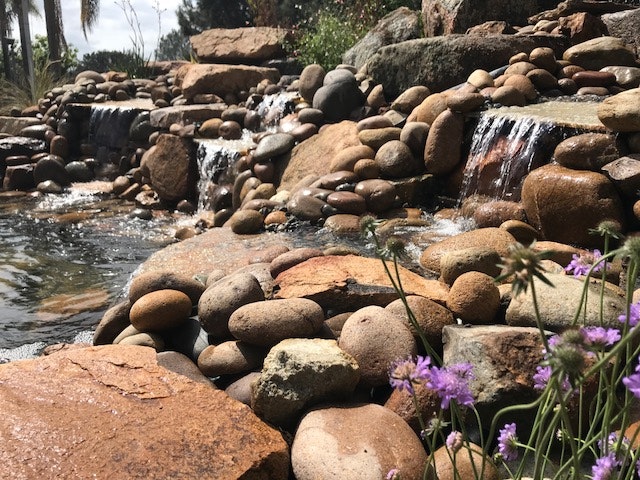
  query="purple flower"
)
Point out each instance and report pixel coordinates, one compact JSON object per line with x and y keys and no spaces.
{"x":404,"y":374}
{"x":393,"y":474}
{"x":604,"y":467}
{"x":452,"y":383}
{"x":632,"y":382}
{"x":454,"y":441}
{"x":582,"y":263}
{"x":508,"y":442}
{"x":600,"y":337}
{"x":543,"y":375}
{"x":634,"y":315}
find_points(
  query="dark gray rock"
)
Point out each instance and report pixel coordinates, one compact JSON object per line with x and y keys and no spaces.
{"x":443,"y":62}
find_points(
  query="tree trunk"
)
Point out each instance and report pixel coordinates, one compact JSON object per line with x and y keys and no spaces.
{"x":4,"y":30}
{"x":53,"y":35}
{"x":25,"y":42}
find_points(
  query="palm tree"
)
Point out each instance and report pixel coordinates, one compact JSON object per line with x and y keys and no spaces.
{"x":10,"y":10}
{"x":89,"y":10}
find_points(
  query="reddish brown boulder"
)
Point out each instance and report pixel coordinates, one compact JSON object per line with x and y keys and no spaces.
{"x":347,"y":283}
{"x":112,"y":412}
{"x":172,"y":173}
{"x":221,"y":79}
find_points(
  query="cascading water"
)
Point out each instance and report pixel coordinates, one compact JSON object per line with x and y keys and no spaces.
{"x":504,"y":148}
{"x":273,"y":108}
{"x":109,"y":126}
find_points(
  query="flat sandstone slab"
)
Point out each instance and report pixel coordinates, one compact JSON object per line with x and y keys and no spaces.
{"x":347,"y":283}
{"x":112,"y":412}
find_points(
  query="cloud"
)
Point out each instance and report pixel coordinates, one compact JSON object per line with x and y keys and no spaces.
{"x":112,"y":31}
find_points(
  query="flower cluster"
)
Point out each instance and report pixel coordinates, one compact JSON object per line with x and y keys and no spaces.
{"x":508,"y":442}
{"x":450,"y":383}
{"x":605,"y":467}
{"x":633,"y":317}
{"x":584,"y":262}
{"x":632,"y":382}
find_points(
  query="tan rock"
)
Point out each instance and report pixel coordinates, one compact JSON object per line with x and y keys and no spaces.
{"x":241,"y":45}
{"x":221,"y":79}
{"x":170,"y":168}
{"x":474,"y":298}
{"x":160,"y":310}
{"x":117,"y":389}
{"x":622,"y":111}
{"x":430,"y":317}
{"x":468,"y":460}
{"x":442,"y":152}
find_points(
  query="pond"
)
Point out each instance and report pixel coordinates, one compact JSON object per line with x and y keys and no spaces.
{"x":64,"y":259}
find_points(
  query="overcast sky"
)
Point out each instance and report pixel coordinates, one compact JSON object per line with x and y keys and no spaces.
{"x":112,"y":32}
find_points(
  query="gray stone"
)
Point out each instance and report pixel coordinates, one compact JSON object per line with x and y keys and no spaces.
{"x":299,"y":373}
{"x":443,"y":62}
{"x":624,"y":25}
{"x":400,"y":25}
{"x":625,"y":174}
{"x":273,"y":145}
{"x":338,"y":100}
{"x":558,"y":304}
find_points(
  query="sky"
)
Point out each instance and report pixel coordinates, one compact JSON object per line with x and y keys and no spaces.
{"x":112,"y":31}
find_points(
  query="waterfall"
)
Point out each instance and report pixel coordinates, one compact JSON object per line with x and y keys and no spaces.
{"x":275,"y":107}
{"x":503,"y":150}
{"x":109,"y":126}
{"x":215,"y":166}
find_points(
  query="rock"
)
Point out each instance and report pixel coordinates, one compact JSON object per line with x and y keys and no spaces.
{"x":626,"y":77}
{"x":347,"y":202}
{"x":403,"y":403}
{"x":240,"y":390}
{"x":347,"y":158}
{"x":273,"y":145}
{"x":299,"y":373}
{"x":185,"y":114}
{"x":481,"y":258}
{"x":625,"y":174}
{"x":304,"y":156}
{"x":563,"y":204}
{"x":464,"y":102}
{"x":474,"y":298}
{"x":496,"y":212}
{"x":19,"y":177}
{"x":621,"y":112}
{"x":581,"y":27}
{"x":347,"y":283}
{"x":305,"y":204}
{"x":414,"y":134}
{"x":79,"y":171}
{"x":429,"y":109}
{"x":410,"y":99}
{"x":311,"y":80}
{"x":430,"y":317}
{"x":248,"y":45}
{"x":160,"y":310}
{"x":440,"y":62}
{"x":468,"y":462}
{"x":190,"y":339}
{"x":51,"y":167}
{"x":338,"y":100}
{"x":245,"y":222}
{"x":290,"y":258}
{"x":375,"y":138}
{"x":523,"y":84}
{"x":494,"y":238}
{"x":59,"y":146}
{"x":589,"y":78}
{"x":150,"y":340}
{"x":504,"y":361}
{"x":112,"y":323}
{"x":491,"y":28}
{"x":220,"y":79}
{"x":181,"y":364}
{"x":230,"y":358}
{"x":396,"y":160}
{"x":171,"y":170}
{"x":509,"y":96}
{"x":224,"y":297}
{"x":446,"y":17}
{"x":400,"y":25}
{"x":558,"y":310}
{"x":376,"y":340}
{"x":588,"y":151}
{"x":265,"y":323}
{"x":37,"y":395}
{"x":442,"y":151}
{"x":163,"y":279}
{"x":624,"y":25}
{"x":599,"y":53}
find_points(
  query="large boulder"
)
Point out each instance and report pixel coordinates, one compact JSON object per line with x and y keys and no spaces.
{"x":600,"y":52}
{"x":442,"y":17}
{"x":171,"y":167}
{"x":113,"y":412}
{"x":313,"y":156}
{"x":249,"y":45}
{"x":221,"y":79}
{"x":621,"y":112}
{"x":564,"y":204}
{"x":443,"y":62}
{"x":400,"y":25}
{"x":626,"y":26}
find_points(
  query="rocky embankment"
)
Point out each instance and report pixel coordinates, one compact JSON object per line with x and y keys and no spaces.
{"x":238,"y":355}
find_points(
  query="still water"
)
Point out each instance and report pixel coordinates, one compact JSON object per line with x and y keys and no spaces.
{"x":64,"y":259}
